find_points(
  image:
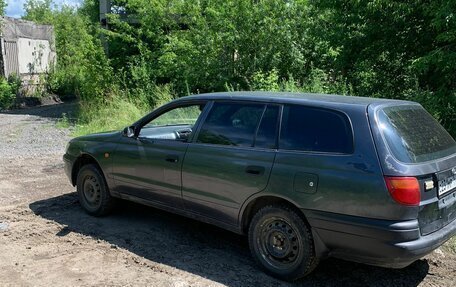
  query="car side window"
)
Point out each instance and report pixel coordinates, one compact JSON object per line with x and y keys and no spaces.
{"x":315,"y":130}
{"x":175,"y":124}
{"x":232,"y":124}
{"x":267,"y":132}
{"x":187,"y":115}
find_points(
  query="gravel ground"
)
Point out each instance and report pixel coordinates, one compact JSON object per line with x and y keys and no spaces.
{"x":47,"y":240}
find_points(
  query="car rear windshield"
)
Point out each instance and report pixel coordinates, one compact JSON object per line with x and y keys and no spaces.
{"x":413,"y":135}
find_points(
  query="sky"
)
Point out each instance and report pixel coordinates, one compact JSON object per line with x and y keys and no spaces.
{"x":15,"y":8}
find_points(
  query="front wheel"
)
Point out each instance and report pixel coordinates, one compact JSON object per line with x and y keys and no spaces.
{"x":281,"y":243}
{"x":93,"y":192}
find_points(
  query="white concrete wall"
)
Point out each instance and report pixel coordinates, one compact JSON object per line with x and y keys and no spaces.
{"x":34,"y":56}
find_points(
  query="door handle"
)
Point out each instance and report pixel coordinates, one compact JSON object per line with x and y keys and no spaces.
{"x":255,"y":170}
{"x":172,"y":158}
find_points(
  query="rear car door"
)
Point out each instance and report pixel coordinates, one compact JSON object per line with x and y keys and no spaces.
{"x":149,"y":166}
{"x":317,"y":164}
{"x":230,"y":160}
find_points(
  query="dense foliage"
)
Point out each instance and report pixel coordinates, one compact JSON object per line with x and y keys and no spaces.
{"x":9,"y":88}
{"x":157,"y":48}
{"x":396,"y":49}
{"x":2,"y":7}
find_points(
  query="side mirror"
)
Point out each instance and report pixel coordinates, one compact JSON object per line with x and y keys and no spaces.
{"x":129,"y":132}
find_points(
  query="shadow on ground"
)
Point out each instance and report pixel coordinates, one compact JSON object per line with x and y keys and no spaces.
{"x":205,"y":250}
{"x":55,"y":111}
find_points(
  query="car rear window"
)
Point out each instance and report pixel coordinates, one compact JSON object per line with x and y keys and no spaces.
{"x":315,"y":130}
{"x":413,"y":135}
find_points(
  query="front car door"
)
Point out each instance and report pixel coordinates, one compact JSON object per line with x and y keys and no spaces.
{"x":230,"y":159}
{"x":148,"y":166}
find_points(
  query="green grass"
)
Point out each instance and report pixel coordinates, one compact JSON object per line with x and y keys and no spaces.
{"x":451,"y":245}
{"x":111,"y":116}
{"x":64,"y":122}
{"x":117,"y":110}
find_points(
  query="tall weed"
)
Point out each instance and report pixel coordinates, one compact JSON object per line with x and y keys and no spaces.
{"x":119,"y":111}
{"x":9,"y":89}
{"x":113,"y":115}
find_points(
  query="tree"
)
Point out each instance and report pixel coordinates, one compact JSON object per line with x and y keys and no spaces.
{"x":39,"y":11}
{"x":82,"y":68}
{"x":205,"y":45}
{"x":396,"y":49}
{"x":3,"y":5}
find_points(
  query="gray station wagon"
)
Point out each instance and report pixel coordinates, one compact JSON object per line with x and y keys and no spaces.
{"x":305,"y":176}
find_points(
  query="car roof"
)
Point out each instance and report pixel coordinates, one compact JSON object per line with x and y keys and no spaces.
{"x":295,"y":98}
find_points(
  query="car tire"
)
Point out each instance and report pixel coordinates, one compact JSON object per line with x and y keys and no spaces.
{"x":282,"y":243}
{"x":93,"y":192}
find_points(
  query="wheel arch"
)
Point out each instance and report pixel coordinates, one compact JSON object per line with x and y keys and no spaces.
{"x":254,"y":204}
{"x":82,"y":160}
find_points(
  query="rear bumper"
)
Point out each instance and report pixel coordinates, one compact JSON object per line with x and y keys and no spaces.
{"x":385,"y":243}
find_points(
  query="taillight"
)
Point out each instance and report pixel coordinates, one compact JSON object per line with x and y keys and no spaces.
{"x":404,"y":190}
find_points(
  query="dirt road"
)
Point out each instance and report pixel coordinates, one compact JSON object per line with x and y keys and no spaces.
{"x":47,"y":240}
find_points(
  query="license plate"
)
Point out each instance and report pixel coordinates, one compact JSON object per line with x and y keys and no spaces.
{"x":447,"y":184}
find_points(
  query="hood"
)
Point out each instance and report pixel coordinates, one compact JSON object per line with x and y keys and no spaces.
{"x":99,"y":137}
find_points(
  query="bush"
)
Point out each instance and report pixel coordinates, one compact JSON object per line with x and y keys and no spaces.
{"x":113,"y":115}
{"x":6,"y":94}
{"x":15,"y":83}
{"x":119,"y":111}
{"x":9,"y":89}
{"x":266,"y":81}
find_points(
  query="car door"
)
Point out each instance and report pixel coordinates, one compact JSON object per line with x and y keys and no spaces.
{"x":318,"y":166}
{"x":149,"y":166}
{"x":230,"y":159}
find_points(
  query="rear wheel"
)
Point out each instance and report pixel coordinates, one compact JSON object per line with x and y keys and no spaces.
{"x":93,"y":192}
{"x":281,"y":243}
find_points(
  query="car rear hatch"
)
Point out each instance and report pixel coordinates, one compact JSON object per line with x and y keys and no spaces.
{"x":437,"y":214}
{"x":412,"y":144}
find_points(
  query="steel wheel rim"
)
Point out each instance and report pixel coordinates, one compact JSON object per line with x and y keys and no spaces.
{"x":279,"y":243}
{"x":92,"y":191}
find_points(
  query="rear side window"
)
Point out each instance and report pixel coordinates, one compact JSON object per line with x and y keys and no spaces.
{"x":315,"y":130}
{"x":413,"y":135}
{"x":232,"y":124}
{"x":267,"y":132}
